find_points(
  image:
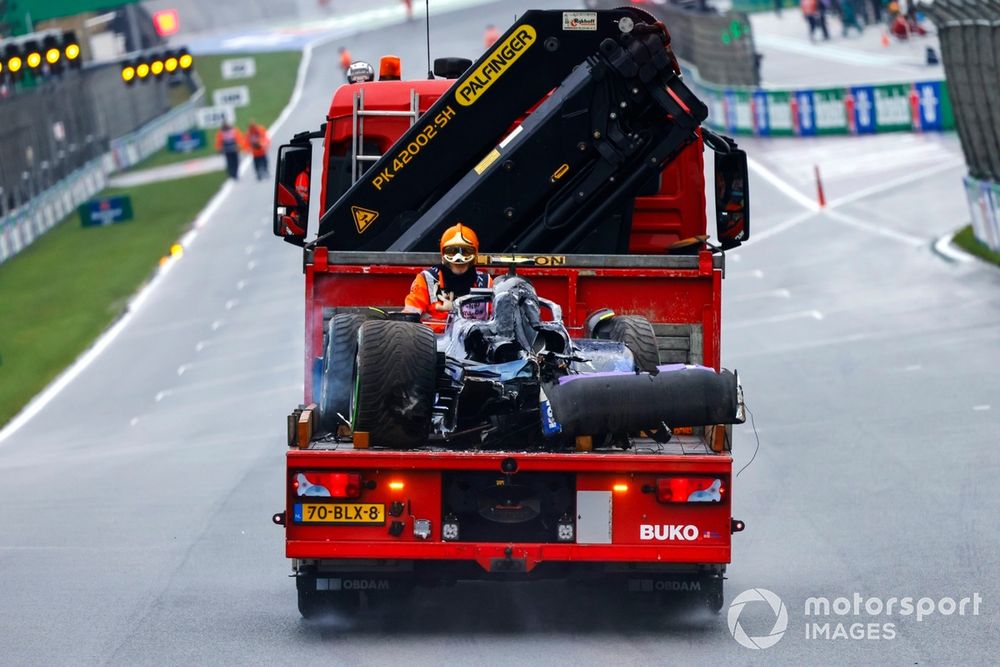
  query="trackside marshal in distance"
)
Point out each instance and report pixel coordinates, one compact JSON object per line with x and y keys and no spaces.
{"x":498,"y":62}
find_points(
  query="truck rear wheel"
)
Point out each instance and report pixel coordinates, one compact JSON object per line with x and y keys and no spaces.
{"x":394,"y":383}
{"x":639,"y":337}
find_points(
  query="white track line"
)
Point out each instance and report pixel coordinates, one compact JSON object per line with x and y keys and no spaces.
{"x":858,"y":195}
{"x":757,"y":237}
{"x":944,"y":248}
{"x":913,"y":241}
{"x":783,"y":186}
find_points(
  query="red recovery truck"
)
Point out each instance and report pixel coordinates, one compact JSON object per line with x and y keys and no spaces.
{"x":572,"y":421}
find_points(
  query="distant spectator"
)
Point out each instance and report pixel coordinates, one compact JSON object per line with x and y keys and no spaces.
{"x":259,"y":142}
{"x":229,"y":141}
{"x":777,"y":7}
{"x":345,"y":59}
{"x":849,"y":16}
{"x":812,"y":11}
{"x":902,"y":26}
{"x":875,"y":11}
{"x":409,"y":9}
{"x":491,"y":36}
{"x":913,"y":21}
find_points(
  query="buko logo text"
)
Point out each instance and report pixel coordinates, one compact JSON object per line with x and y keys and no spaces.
{"x":668,"y":532}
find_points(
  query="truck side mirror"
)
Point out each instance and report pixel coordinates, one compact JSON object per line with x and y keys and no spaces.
{"x":732,"y":198}
{"x":292,"y":183}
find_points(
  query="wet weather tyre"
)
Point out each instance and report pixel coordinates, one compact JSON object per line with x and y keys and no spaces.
{"x":639,"y":337}
{"x":338,"y":365}
{"x":395,"y":379}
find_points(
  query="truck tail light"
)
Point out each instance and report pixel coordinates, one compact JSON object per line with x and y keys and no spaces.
{"x":327,"y":484}
{"x":689,"y":490}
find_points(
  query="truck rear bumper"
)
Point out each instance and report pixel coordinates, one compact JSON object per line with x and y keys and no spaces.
{"x":498,"y":557}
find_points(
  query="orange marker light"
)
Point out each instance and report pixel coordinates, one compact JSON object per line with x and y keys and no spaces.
{"x":390,"y":69}
{"x":620,"y":488}
{"x":396,"y":486}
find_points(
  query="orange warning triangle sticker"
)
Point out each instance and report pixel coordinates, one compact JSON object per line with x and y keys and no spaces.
{"x":363,"y":218}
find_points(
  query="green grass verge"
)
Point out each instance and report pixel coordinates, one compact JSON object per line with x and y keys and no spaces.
{"x":270,"y":90}
{"x":58,"y":295}
{"x":967,"y":241}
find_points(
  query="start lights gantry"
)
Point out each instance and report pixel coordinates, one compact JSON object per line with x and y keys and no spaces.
{"x":41,"y":54}
{"x":157,"y":64}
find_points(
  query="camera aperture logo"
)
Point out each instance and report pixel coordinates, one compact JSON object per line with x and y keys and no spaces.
{"x":777,"y":607}
{"x":874,"y":618}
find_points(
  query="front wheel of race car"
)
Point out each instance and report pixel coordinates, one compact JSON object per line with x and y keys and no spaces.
{"x":639,"y":337}
{"x":394,"y":383}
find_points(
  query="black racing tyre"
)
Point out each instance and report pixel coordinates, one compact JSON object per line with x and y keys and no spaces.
{"x":638,"y":335}
{"x":338,"y":364}
{"x":395,"y":379}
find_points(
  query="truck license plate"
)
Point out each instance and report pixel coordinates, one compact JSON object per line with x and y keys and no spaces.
{"x":355,"y":513}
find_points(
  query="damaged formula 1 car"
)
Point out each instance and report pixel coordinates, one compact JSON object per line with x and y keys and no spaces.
{"x":502,"y":377}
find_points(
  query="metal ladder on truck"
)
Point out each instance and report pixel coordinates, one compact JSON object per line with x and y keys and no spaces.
{"x":359,"y":160}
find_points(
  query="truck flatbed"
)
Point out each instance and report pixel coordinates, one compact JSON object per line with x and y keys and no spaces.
{"x":679,"y":445}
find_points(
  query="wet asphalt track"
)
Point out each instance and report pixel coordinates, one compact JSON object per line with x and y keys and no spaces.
{"x":135,"y":508}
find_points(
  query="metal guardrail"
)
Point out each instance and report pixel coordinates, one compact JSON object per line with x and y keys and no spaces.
{"x":969,"y":31}
{"x":21,"y":226}
{"x":59,"y":124}
{"x":719,"y":44}
{"x":970,"y":47}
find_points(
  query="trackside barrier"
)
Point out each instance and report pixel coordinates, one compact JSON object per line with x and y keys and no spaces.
{"x":969,"y":31}
{"x":23,"y":225}
{"x":970,"y":41}
{"x":920,"y":106}
{"x":137,"y":146}
{"x":984,"y":205}
{"x":719,"y":45}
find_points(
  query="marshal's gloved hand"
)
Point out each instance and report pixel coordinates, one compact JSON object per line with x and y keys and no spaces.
{"x":445,"y":302}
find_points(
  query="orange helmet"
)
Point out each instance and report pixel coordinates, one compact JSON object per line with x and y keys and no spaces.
{"x":456,"y":242}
